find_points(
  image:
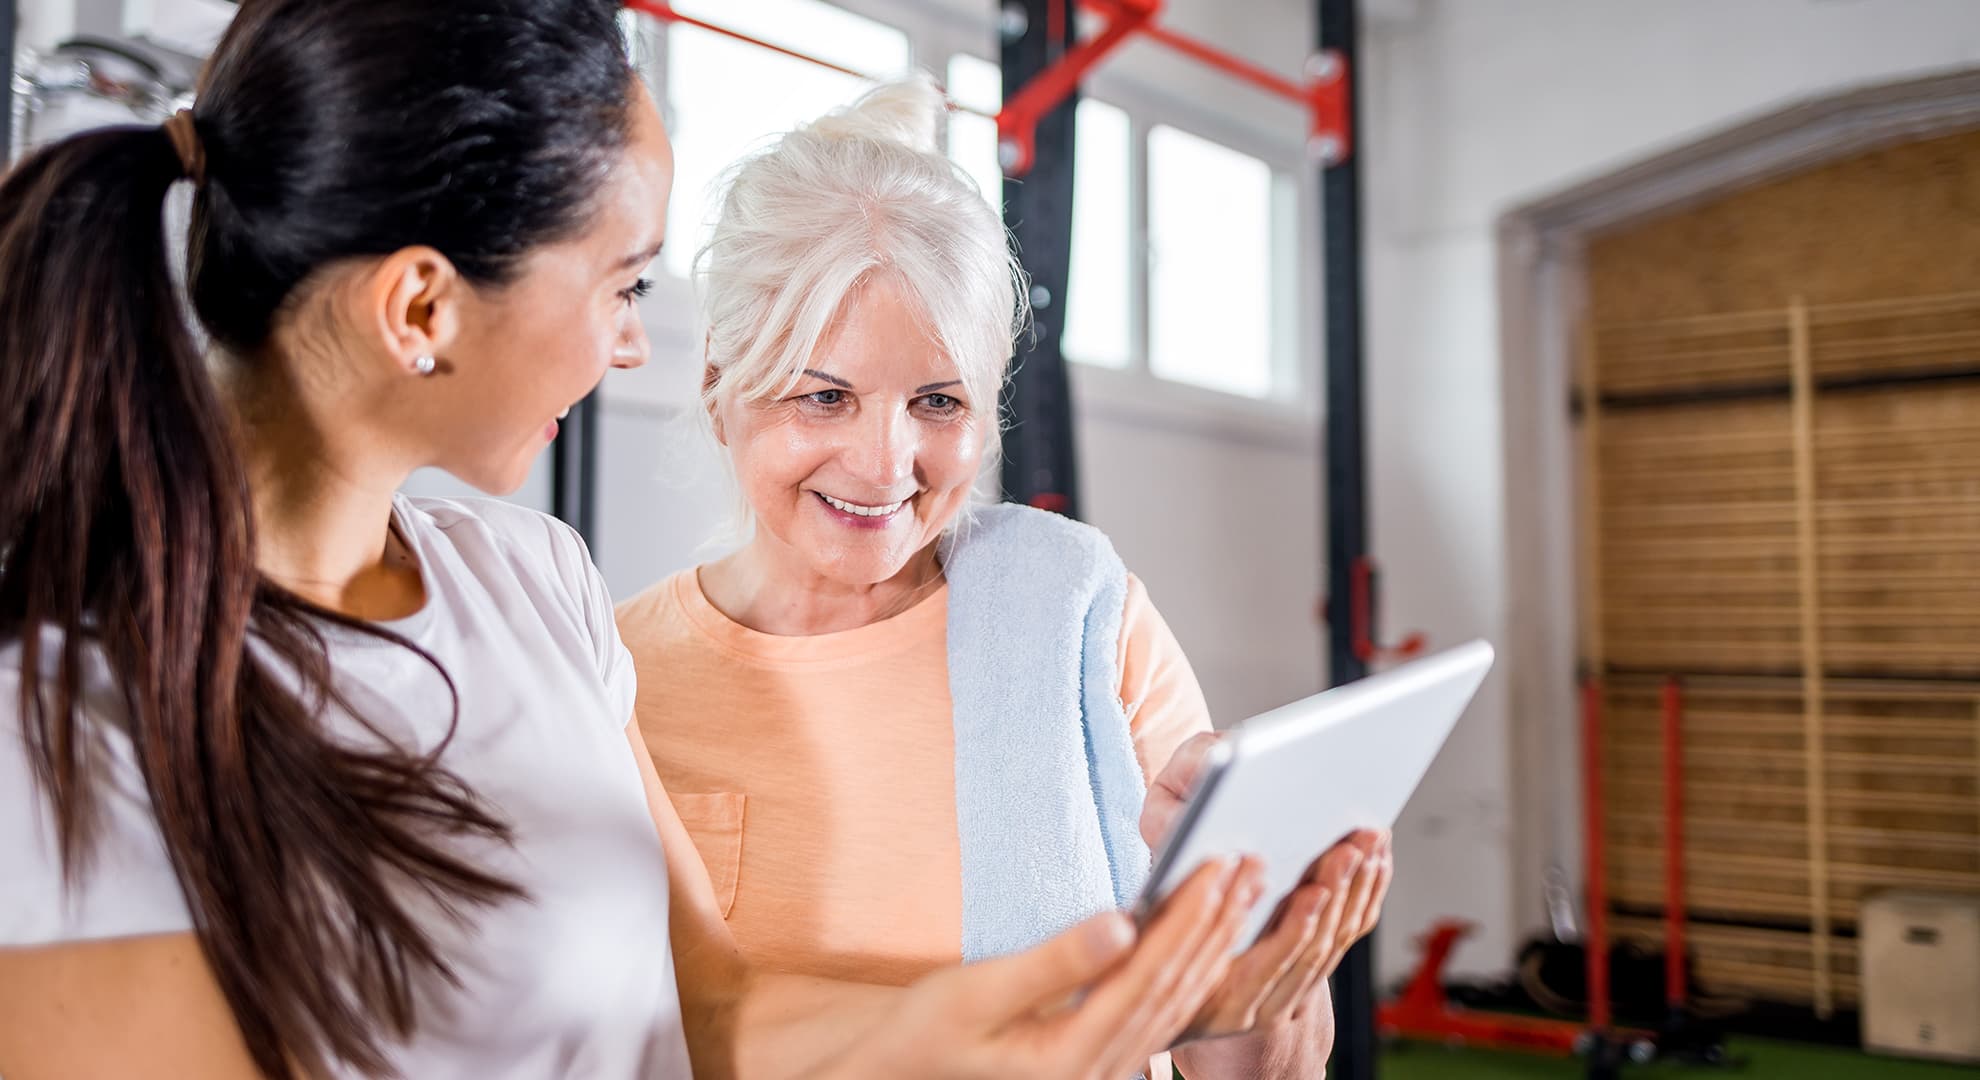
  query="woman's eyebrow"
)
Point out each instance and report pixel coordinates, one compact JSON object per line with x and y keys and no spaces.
{"x":641,"y":258}
{"x":833,"y":379}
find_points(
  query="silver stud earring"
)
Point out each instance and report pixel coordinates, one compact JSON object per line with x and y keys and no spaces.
{"x":425,"y":365}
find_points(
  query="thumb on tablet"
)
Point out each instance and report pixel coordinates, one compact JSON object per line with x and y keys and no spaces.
{"x":1173,"y":785}
{"x":1011,"y":986}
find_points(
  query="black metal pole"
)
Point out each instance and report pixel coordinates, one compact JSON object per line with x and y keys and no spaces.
{"x":574,"y":470}
{"x":1039,"y":463}
{"x":1346,"y":488}
{"x":10,"y":14}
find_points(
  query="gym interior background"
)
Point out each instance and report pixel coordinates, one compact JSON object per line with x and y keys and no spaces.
{"x":1661,"y":325}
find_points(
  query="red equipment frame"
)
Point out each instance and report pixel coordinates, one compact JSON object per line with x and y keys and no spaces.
{"x":1594,"y":859}
{"x":1675,"y":991}
{"x":1423,"y":1011}
{"x":1323,"y":93}
{"x":1361,"y":620}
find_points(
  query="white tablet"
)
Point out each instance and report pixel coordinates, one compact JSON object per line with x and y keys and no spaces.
{"x":1288,"y":784}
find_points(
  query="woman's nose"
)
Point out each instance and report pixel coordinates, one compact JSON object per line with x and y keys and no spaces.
{"x":886,"y":451}
{"x":631,"y":348}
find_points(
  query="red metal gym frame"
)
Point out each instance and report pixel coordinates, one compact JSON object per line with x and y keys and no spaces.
{"x":1361,"y":619}
{"x":1594,"y":861}
{"x":1324,"y":93}
{"x":665,"y":12}
{"x":1675,"y":990}
{"x":1425,"y":1012}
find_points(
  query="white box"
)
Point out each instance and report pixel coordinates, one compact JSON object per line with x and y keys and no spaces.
{"x":1921,"y":975}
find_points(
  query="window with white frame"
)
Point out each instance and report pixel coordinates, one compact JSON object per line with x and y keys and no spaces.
{"x":728,"y":97}
{"x":1100,"y":279}
{"x":1219,"y":265}
{"x":976,"y":86}
{"x":1216,"y":274}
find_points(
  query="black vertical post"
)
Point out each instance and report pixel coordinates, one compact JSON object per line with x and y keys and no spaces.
{"x":574,"y":470}
{"x":10,"y":13}
{"x":1039,"y":463}
{"x":1346,"y":480}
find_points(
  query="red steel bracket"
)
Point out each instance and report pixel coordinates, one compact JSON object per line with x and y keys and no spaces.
{"x":1362,"y":625}
{"x":1017,"y":124}
{"x":1323,"y":94}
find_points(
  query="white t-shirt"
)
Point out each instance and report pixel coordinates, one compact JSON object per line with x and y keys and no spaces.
{"x":576,"y":981}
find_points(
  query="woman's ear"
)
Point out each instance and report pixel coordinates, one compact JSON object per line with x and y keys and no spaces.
{"x":710,"y":375}
{"x":416,"y":299}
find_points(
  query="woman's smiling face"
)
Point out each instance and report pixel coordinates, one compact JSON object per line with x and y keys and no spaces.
{"x":872,"y":455}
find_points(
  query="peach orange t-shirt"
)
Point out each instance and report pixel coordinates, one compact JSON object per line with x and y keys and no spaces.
{"x":817,"y":774}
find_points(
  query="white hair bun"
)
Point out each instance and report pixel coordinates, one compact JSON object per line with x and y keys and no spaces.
{"x":909,"y":111}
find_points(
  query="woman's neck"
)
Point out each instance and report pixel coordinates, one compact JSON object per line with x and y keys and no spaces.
{"x":773,"y":591}
{"x":323,"y":511}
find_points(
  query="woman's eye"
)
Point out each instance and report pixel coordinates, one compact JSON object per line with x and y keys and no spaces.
{"x":826,"y":397}
{"x":638,"y":289}
{"x":941,"y":403}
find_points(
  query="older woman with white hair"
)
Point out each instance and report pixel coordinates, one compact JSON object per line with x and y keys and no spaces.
{"x":902,"y":728}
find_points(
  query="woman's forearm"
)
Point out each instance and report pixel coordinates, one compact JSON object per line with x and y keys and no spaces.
{"x":790,"y":1026}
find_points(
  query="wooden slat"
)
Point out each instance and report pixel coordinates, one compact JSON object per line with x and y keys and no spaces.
{"x":1803,"y":404}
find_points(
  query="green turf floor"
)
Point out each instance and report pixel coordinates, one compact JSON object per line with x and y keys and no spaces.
{"x":1763,"y":1061}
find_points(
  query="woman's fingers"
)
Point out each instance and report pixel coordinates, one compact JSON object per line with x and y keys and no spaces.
{"x":1387,"y":876}
{"x":1214,"y":957}
{"x":1013,"y":986}
{"x":1158,"y":1019}
{"x":1335,"y":874}
{"x":1172,"y":786}
{"x":1167,"y":945}
{"x":1240,"y":1003}
{"x":1362,"y":909}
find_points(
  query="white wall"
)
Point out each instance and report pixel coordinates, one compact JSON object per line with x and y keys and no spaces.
{"x":1474,"y":107}
{"x":1220,"y":518}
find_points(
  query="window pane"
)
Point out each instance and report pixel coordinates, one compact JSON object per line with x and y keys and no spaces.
{"x":729,"y":97}
{"x":975,"y":82}
{"x":978,"y":84}
{"x":1210,"y":259}
{"x":1097,"y":295}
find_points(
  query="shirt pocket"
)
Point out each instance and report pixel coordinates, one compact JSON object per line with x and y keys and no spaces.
{"x":715,"y":821}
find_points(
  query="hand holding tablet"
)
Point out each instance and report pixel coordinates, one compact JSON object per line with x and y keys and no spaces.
{"x":1288,"y":785}
{"x":1306,"y":794}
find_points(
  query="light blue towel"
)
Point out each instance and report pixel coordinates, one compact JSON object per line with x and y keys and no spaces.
{"x":1048,"y":790}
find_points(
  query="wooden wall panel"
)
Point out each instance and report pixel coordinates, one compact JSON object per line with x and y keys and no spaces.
{"x":1780,"y":398}
{"x":1904,"y":221}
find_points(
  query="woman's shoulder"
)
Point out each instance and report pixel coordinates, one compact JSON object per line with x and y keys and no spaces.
{"x":655,"y":615}
{"x":499,"y":541}
{"x":508,"y":525}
